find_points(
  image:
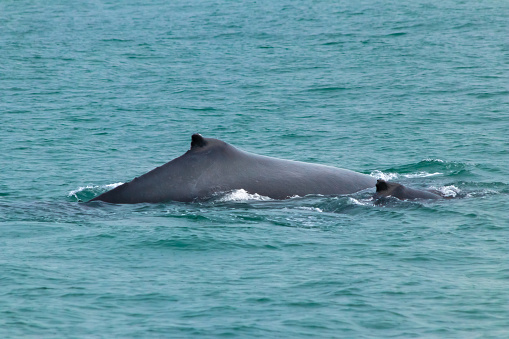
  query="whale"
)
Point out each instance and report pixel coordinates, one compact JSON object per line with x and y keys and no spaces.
{"x":212,"y":166}
{"x":393,"y":189}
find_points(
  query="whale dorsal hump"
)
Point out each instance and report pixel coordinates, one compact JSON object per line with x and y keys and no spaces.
{"x":197,"y":141}
{"x":381,"y":185}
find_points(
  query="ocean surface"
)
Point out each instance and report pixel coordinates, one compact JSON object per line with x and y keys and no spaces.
{"x":95,"y":93}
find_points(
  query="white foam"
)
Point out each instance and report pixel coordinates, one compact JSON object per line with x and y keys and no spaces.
{"x":390,"y":176}
{"x":82,"y":188}
{"x":363,"y":202}
{"x":448,"y":191}
{"x":433,"y":160}
{"x":315,"y":209}
{"x":242,"y":195}
{"x":384,"y":176}
{"x":421,"y":175}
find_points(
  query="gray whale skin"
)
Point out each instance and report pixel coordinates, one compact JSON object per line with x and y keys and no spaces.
{"x":393,"y":189}
{"x":213,"y":166}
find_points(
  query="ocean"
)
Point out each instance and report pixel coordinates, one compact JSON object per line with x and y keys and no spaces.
{"x":95,"y":93}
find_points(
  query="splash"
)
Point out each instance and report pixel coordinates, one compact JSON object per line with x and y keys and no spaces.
{"x":360,"y":202}
{"x":384,"y":176}
{"x":242,"y":195}
{"x":421,"y":175}
{"x":74,"y":193}
{"x":450,"y":191}
{"x":390,"y":176}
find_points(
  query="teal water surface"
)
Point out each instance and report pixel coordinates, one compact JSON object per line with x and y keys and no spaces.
{"x":95,"y":93}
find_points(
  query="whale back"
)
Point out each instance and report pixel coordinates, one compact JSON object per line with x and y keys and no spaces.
{"x":212,"y":166}
{"x":384,"y":189}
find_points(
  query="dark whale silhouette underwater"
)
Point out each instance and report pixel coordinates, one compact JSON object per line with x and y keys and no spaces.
{"x":213,"y":166}
{"x":385,"y":189}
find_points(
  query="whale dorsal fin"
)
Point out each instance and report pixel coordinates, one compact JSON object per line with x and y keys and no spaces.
{"x":197,"y":141}
{"x":381,"y":185}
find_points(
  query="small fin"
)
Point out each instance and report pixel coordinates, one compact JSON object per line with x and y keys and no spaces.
{"x":381,"y":185}
{"x":197,"y":141}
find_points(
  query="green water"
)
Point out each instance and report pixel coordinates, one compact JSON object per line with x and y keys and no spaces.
{"x":95,"y":93}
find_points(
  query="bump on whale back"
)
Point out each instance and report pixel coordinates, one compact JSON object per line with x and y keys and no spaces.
{"x":381,"y":185}
{"x":198,"y":141}
{"x":200,"y":144}
{"x":384,"y":189}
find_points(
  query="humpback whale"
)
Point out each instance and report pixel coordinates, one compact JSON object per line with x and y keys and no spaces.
{"x":212,"y":166}
{"x":384,"y":189}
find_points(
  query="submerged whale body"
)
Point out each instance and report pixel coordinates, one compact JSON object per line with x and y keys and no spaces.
{"x":385,"y":189}
{"x":213,"y":166}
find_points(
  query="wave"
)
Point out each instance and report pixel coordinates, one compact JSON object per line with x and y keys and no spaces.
{"x":308,"y":208}
{"x":435,"y":167}
{"x":450,"y":191}
{"x":421,"y":175}
{"x":392,"y":175}
{"x":84,"y":193}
